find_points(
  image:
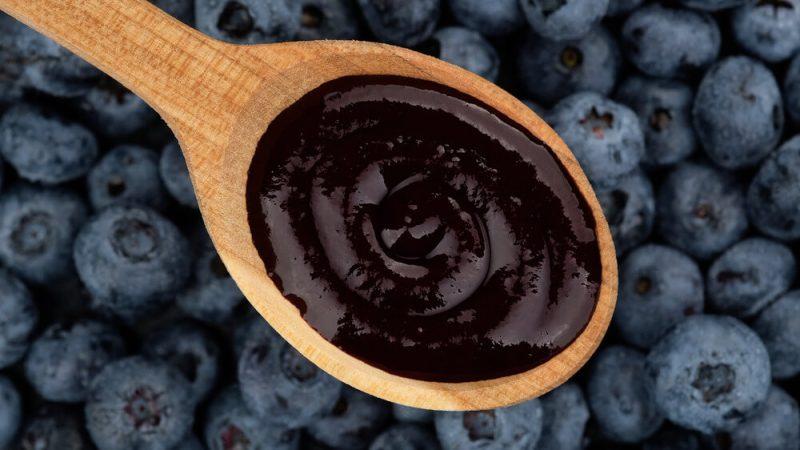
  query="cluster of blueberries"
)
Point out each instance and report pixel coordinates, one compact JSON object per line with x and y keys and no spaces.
{"x":121,"y":330}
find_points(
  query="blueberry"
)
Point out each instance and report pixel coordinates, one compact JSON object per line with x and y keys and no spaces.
{"x":127,"y":174}
{"x":114,"y":111}
{"x":281,"y":385}
{"x":248,"y":21}
{"x":670,"y":42}
{"x":48,"y":67}
{"x":664,"y":108}
{"x":401,"y":22}
{"x":774,"y":193}
{"x":356,"y":419}
{"x":604,"y":136}
{"x":175,"y":175}
{"x":774,"y":426}
{"x":231,"y":426}
{"x":623,"y":407}
{"x":749,"y":275}
{"x":189,"y":443}
{"x":791,"y":89}
{"x":565,"y":414}
{"x":550,"y":70}
{"x":64,"y":360}
{"x":517,"y":427}
{"x":37,"y":228}
{"x":779,"y":325}
{"x":18,"y":318}
{"x":701,"y":210}
{"x":621,"y":7}
{"x":464,"y":48}
{"x":54,"y":429}
{"x":712,"y":5}
{"x":213,"y":295}
{"x":139,"y":404}
{"x":328,"y":19}
{"x":672,"y":438}
{"x":182,"y":10}
{"x":131,"y":260}
{"x":10,"y":411}
{"x":738,"y":112}
{"x":629,"y":207}
{"x":45,"y":147}
{"x":561,"y":20}
{"x":494,"y":18}
{"x":405,"y":437}
{"x":659,"y":287}
{"x":191,"y":350}
{"x":409,"y":414}
{"x":769,"y":29}
{"x":709,"y":373}
{"x":11,"y":63}
{"x":251,"y":328}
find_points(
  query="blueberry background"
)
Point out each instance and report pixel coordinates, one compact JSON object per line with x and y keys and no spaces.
{"x":121,"y":329}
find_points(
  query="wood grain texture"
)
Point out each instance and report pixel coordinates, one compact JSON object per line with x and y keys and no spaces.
{"x":219,"y":98}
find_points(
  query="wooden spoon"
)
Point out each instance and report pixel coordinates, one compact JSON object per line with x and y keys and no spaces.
{"x":219,"y":98}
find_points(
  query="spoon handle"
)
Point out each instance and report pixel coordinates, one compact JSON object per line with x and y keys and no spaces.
{"x":177,"y":70}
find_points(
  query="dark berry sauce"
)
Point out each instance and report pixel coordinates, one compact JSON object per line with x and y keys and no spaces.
{"x":422,"y":231}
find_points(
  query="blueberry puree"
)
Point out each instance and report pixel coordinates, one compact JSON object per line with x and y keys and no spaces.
{"x":421,"y":231}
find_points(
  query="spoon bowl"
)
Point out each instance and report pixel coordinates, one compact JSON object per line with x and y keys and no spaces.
{"x":219,"y":98}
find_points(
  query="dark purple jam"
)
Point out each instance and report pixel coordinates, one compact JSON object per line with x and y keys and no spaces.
{"x":422,"y":231}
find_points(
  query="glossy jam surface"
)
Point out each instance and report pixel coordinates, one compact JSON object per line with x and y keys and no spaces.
{"x":421,"y":231}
